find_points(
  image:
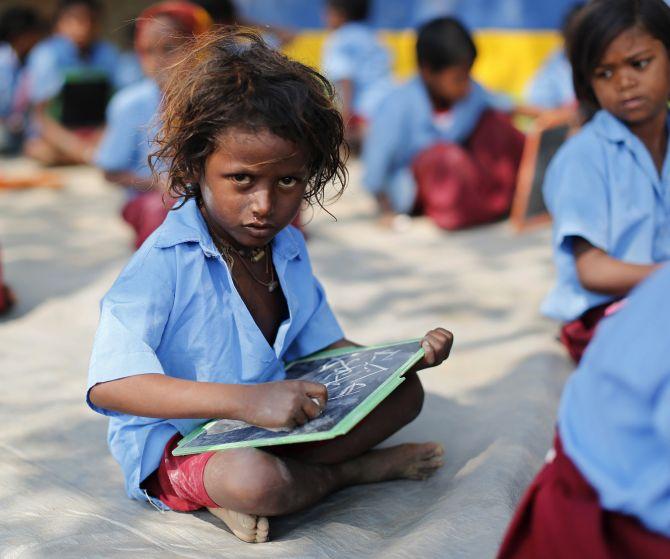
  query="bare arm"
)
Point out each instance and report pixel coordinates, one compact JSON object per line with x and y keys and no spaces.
{"x":128,"y":178}
{"x":270,"y":404}
{"x":600,"y":272}
{"x":56,"y":134}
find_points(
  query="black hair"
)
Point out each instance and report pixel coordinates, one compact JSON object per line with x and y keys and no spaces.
{"x":16,"y":21}
{"x":222,"y":12}
{"x":444,"y":42}
{"x":570,"y":19}
{"x":598,"y":24}
{"x":93,"y":5}
{"x":352,"y":10}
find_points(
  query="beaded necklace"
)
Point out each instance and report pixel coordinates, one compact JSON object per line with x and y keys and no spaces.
{"x":254,"y":255}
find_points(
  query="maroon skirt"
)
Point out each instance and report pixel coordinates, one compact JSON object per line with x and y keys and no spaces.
{"x":464,"y":185}
{"x":560,"y":517}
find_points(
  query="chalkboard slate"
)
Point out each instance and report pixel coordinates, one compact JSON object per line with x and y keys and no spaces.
{"x":358,"y":379}
{"x":542,"y":142}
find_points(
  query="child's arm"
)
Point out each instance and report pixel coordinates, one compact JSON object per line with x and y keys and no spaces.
{"x":130,"y":179}
{"x":270,"y":404}
{"x":56,"y":134}
{"x":601,"y":273}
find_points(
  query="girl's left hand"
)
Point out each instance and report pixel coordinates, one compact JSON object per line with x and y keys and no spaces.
{"x":437,"y":345}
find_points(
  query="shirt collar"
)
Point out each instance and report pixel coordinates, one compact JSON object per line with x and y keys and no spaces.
{"x":186,"y":225}
{"x":611,"y":128}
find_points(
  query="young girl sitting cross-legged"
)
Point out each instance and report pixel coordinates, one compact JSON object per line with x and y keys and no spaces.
{"x":222,"y":294}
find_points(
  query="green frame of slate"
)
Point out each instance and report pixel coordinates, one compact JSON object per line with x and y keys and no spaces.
{"x":342,"y":428}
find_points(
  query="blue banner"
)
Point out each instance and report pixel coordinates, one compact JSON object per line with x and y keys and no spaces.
{"x":403,"y":14}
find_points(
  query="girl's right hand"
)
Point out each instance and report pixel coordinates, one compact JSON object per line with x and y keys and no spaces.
{"x":287,"y":403}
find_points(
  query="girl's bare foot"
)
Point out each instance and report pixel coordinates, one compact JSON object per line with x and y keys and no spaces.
{"x":405,"y":461}
{"x":248,"y":527}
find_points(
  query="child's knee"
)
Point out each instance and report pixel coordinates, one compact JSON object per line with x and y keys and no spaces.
{"x":249,"y":480}
{"x":415,"y":395}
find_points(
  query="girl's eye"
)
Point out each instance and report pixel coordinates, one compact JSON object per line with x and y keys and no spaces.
{"x":288,"y":182}
{"x":641,"y":64}
{"x":241,"y":179}
{"x":604,"y":74}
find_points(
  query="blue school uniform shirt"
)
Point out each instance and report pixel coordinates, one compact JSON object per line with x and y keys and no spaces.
{"x":10,"y":70}
{"x":353,"y":52}
{"x":552,"y":86}
{"x":131,"y":127}
{"x":129,"y":70}
{"x":406,"y":123}
{"x":174,"y":310}
{"x":603,"y":186}
{"x":614,"y":416}
{"x":52,"y":58}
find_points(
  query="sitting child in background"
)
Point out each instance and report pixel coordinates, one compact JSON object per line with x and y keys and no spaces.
{"x":437,"y":143}
{"x":605,"y":491}
{"x":131,"y":115}
{"x":73,"y":54}
{"x":203,"y":318}
{"x":357,"y":64}
{"x":20,"y":30}
{"x":607,"y":187}
{"x":551,"y":87}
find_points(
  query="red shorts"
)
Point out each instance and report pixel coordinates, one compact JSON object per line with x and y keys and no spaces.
{"x":577,"y":335}
{"x":179,"y":480}
{"x":560,"y":517}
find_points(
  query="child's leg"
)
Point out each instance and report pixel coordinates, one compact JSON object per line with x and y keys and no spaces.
{"x":261,"y":484}
{"x":460,"y":186}
{"x":397,"y":410}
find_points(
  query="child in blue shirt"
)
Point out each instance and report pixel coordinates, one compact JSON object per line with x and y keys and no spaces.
{"x":20,"y":30}
{"x":437,"y":144}
{"x":74,"y":47}
{"x":131,"y":115}
{"x":356,"y":62}
{"x":605,"y":490}
{"x":200,"y":322}
{"x":551,"y":87}
{"x":608,"y":187}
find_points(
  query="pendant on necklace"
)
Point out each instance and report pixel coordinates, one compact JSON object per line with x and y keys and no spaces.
{"x":272,"y":286}
{"x":257,"y":254}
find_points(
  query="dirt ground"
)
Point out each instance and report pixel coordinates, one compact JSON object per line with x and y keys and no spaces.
{"x":492,"y":404}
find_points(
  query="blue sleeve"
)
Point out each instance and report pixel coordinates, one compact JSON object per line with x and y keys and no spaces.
{"x":576,"y":194}
{"x":383,"y":144}
{"x":132,"y":320}
{"x":120,"y":141}
{"x":109,"y":61}
{"x":321,"y":328}
{"x":542,"y":90}
{"x":338,"y":62}
{"x":44,"y":74}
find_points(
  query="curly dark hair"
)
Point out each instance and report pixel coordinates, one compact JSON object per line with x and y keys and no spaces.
{"x":231,"y":78}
